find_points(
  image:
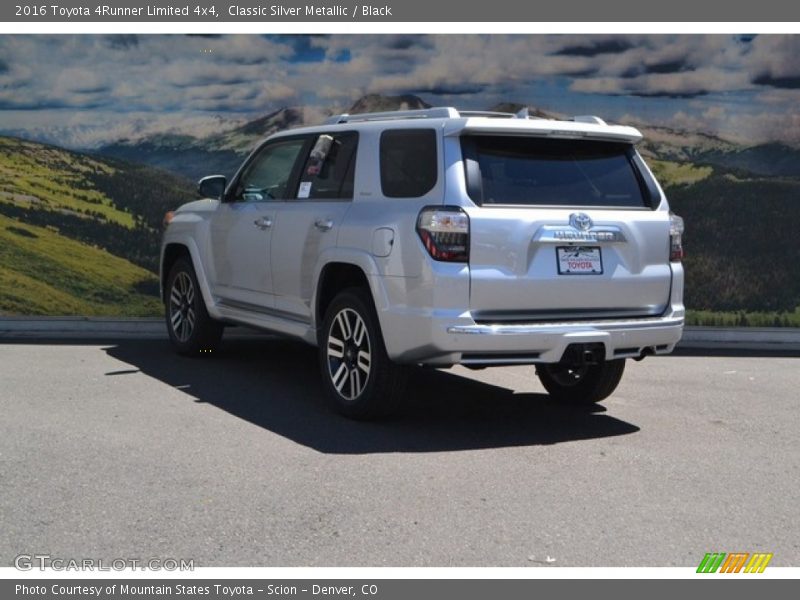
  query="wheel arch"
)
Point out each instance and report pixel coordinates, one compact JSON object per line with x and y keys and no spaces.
{"x":172,"y":252}
{"x":343,"y":271}
{"x":175,"y":248}
{"x":333,"y":278}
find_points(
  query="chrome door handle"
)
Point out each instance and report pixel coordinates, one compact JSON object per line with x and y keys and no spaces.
{"x":263,"y":223}
{"x":323,"y":224}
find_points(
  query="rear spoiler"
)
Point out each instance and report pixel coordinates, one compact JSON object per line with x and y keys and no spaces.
{"x":578,"y":129}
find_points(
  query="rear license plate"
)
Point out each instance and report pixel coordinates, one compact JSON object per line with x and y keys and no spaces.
{"x":579,"y":260}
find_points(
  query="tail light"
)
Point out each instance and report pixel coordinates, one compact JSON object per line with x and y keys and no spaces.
{"x":168,"y":216}
{"x":676,"y":253}
{"x":444,"y":231}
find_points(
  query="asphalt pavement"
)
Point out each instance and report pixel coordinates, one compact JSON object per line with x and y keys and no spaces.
{"x":124,"y":450}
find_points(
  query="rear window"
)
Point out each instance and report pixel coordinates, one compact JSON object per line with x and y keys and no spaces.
{"x":408,"y":162}
{"x":551,"y":172}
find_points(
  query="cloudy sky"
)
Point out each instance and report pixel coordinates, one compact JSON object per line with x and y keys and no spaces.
{"x":85,"y":90}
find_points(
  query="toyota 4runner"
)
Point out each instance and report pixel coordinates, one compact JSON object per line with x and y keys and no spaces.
{"x":435,"y":237}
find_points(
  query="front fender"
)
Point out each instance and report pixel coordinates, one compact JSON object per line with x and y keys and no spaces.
{"x":187,"y":241}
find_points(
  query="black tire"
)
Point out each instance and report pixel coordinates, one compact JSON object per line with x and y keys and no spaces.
{"x":191,"y":330}
{"x":581,"y":385}
{"x":360,"y":380}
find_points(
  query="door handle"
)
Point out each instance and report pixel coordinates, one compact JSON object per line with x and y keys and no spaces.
{"x":263,"y":223}
{"x":323,"y":224}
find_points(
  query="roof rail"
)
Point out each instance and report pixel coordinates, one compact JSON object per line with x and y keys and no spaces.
{"x":446,"y":112}
{"x":589,"y":119}
{"x":442,"y":112}
{"x":486,"y":113}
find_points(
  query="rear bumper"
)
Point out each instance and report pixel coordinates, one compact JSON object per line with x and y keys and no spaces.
{"x":547,"y":342}
{"x":446,"y":342}
{"x":424,"y":320}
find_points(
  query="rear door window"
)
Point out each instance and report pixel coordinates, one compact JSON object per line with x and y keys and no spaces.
{"x":330,"y":175}
{"x":552,"y":172}
{"x":408,"y":162}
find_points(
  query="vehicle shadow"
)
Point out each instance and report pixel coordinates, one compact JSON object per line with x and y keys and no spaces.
{"x":275,"y":383}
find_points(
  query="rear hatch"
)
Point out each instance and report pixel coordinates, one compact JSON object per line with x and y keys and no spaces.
{"x":563,"y":229}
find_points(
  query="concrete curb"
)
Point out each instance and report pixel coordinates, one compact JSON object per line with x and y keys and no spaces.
{"x":779,"y":339}
{"x":93,"y":328}
{"x":107,"y":328}
{"x":81,"y":327}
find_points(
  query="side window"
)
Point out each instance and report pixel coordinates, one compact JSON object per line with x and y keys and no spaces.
{"x":268,"y":175}
{"x":408,"y":162}
{"x":329,"y":171}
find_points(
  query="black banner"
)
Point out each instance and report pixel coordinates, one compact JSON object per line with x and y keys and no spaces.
{"x":398,"y":11}
{"x":389,"y":589}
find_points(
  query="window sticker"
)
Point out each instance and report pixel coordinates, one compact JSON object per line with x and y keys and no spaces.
{"x":305,"y":190}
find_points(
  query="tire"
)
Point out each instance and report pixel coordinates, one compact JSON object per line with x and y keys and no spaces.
{"x":360,"y":380}
{"x":191,"y":330}
{"x":582,"y":385}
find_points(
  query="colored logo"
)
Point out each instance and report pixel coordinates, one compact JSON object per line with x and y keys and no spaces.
{"x":735,"y":562}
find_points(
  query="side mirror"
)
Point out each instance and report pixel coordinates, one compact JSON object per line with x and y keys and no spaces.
{"x":212,"y":186}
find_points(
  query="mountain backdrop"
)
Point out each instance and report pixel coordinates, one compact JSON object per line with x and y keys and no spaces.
{"x":80,"y":229}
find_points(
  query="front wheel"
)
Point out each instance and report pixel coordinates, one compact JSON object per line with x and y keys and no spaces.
{"x":360,"y":379}
{"x":581,"y":384}
{"x":191,"y":330}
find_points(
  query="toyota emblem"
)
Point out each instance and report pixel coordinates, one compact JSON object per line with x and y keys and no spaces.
{"x":580,"y":221}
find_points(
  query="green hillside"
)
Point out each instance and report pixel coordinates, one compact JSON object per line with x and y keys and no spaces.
{"x":671,"y":173}
{"x":44,"y":273}
{"x":103,"y":202}
{"x":741,"y":242}
{"x":49,"y":178}
{"x":79,"y":235}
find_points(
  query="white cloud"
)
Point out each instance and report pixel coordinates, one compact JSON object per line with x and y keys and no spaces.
{"x":83,"y":129}
{"x":746,"y":129}
{"x":182,"y":82}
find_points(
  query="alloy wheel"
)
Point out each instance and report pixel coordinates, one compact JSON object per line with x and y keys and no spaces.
{"x":349,"y":354}
{"x":181,"y":307}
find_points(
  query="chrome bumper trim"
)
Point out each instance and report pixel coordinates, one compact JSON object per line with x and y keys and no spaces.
{"x":560,"y":327}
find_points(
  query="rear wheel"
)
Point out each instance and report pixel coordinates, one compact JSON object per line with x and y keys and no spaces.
{"x":581,"y":384}
{"x":360,"y":379}
{"x":191,"y":330}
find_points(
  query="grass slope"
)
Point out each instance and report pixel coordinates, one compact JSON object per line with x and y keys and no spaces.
{"x":51,"y":178}
{"x":44,"y":273}
{"x":741,"y":243}
{"x":671,"y":173}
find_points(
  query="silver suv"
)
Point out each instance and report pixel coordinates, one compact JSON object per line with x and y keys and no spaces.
{"x":435,"y":237}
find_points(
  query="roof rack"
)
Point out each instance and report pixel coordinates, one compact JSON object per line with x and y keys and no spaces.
{"x":441,"y":112}
{"x":589,"y":119}
{"x":446,"y":112}
{"x":487,"y":113}
{"x":522,"y":113}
